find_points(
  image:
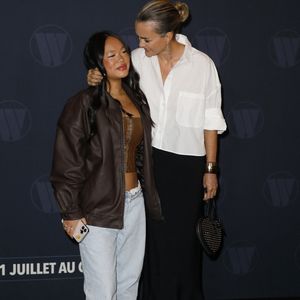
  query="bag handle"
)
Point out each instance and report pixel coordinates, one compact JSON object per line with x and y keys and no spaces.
{"x":211,"y":208}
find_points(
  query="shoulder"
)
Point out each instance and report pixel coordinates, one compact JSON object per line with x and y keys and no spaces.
{"x":79,"y":101}
{"x":196,"y":56}
{"x":75,"y":105}
{"x":201,"y":61}
{"x":200,"y":57}
{"x":138,"y":53}
{"x":81,"y":98}
{"x":137,"y":56}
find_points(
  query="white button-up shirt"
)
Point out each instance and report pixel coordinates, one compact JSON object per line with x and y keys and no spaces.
{"x":188,"y":102}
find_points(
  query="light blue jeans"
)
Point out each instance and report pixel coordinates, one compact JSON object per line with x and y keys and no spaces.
{"x":112,"y":259}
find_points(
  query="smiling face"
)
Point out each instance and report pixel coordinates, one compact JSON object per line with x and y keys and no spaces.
{"x":153,"y":42}
{"x":116,"y":60}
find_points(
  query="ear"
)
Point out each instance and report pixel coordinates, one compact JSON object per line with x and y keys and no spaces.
{"x":169,"y":36}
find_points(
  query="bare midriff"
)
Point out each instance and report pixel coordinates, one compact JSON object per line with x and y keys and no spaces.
{"x":131,"y":181}
{"x":133,"y":134}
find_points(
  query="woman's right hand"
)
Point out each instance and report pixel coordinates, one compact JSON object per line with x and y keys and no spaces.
{"x":70,"y":225}
{"x":94,"y":77}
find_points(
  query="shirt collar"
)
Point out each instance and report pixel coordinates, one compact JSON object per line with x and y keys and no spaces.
{"x":182,"y":39}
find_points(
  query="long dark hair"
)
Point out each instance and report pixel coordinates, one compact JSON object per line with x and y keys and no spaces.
{"x":93,"y":58}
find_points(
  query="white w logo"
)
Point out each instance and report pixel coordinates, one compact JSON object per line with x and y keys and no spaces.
{"x":214,"y":43}
{"x":51,"y":46}
{"x":42,"y":195}
{"x":286,"y":50}
{"x":241,"y":259}
{"x":281,"y":191}
{"x":213,"y":46}
{"x":15,"y":121}
{"x":246,"y":121}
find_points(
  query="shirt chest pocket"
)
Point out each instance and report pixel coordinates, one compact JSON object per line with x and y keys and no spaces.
{"x":190,"y":109}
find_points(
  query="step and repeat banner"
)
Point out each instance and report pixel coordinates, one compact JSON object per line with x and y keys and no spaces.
{"x":255,"y":46}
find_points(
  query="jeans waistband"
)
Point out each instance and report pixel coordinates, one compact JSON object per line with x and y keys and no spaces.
{"x":135,"y":192}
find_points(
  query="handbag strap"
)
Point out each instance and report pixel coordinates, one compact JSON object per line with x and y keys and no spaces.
{"x":211,"y":209}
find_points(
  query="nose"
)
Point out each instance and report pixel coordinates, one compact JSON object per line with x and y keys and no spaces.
{"x":121,"y":57}
{"x":141,"y":43}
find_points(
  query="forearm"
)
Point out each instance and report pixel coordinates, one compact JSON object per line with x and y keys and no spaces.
{"x":210,"y":182}
{"x":211,"y":145}
{"x":68,"y":168}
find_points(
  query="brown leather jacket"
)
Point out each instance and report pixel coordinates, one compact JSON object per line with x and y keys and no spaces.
{"x":88,"y":177}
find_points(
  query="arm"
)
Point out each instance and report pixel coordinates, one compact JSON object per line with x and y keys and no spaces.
{"x":210,"y":182}
{"x":214,"y":124}
{"x":94,"y":77}
{"x":68,"y":169}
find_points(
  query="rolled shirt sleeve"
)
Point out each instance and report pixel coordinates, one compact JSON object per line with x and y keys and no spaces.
{"x":214,"y":119}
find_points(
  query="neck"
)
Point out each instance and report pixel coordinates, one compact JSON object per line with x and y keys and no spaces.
{"x":115,"y":87}
{"x":172,"y":52}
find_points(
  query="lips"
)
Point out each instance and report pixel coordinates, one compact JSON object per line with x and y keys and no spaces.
{"x":122,"y":67}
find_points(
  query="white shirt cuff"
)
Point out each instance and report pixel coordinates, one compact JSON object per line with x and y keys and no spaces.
{"x":214,"y":120}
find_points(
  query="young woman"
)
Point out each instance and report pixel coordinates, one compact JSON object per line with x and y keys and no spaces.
{"x":184,"y":94}
{"x":102,"y":157}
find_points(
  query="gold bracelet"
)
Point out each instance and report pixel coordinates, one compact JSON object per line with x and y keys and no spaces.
{"x":211,"y":167}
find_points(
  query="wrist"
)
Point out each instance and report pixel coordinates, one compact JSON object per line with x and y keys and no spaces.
{"x":211,"y":168}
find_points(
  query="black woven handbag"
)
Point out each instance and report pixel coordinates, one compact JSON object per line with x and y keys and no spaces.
{"x":210,"y":230}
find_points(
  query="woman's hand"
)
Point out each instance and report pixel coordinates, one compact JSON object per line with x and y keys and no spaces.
{"x":70,"y":225}
{"x":210,"y":184}
{"x":94,"y":77}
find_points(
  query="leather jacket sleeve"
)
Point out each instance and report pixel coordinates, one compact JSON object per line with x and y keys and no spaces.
{"x":68,"y":170}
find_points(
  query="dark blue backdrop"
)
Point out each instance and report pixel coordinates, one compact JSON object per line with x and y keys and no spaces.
{"x":255,"y":45}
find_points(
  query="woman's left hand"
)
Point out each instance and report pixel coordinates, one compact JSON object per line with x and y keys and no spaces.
{"x":210,"y":184}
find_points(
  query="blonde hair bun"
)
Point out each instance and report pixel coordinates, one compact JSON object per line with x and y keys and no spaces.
{"x":183,"y":10}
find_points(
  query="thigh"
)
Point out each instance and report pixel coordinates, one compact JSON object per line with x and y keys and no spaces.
{"x":131,"y":248}
{"x":131,"y":239}
{"x":98,"y":255}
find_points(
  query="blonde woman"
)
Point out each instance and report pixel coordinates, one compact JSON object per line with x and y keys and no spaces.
{"x":184,"y":95}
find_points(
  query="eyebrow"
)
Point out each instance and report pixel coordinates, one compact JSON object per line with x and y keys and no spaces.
{"x":143,"y":38}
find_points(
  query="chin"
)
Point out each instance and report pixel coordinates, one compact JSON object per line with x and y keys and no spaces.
{"x":149,"y":54}
{"x":124,"y":75}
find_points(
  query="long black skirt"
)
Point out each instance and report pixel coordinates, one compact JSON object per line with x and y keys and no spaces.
{"x":172,"y":267}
